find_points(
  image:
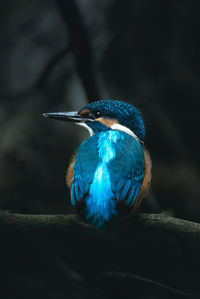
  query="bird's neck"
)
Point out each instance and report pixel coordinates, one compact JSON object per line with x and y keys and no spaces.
{"x":125,"y":130}
{"x":98,"y":126}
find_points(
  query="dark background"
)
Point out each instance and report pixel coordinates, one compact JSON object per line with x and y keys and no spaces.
{"x":55,"y":56}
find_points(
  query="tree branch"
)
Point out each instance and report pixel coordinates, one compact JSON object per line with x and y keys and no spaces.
{"x":119,"y":278}
{"x":81,"y":46}
{"x":143,"y":243}
{"x":54,"y":61}
{"x":156,"y":223}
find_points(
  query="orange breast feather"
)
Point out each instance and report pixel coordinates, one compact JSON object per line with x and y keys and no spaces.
{"x":70,"y":172}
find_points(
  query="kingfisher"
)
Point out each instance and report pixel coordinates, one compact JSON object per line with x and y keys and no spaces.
{"x":111,"y":169}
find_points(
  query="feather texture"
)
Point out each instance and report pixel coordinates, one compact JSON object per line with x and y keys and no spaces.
{"x":108,"y":166}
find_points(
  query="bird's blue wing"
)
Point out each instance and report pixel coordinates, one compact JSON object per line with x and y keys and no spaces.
{"x":127,"y":169}
{"x":85,"y":165}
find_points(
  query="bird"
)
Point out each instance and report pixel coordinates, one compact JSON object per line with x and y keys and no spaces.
{"x":110,"y":170}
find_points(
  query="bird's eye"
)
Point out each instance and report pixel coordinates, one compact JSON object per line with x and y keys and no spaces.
{"x":97,"y":114}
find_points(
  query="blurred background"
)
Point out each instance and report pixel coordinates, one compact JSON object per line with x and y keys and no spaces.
{"x":58,"y":55}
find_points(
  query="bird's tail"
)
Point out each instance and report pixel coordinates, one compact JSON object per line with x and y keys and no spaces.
{"x":100,"y":202}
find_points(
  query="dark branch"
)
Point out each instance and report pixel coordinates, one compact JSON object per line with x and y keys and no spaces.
{"x":120,"y":277}
{"x":55,"y":60}
{"x":81,"y":46}
{"x":161,"y":222}
{"x":129,"y":246}
{"x":157,"y":223}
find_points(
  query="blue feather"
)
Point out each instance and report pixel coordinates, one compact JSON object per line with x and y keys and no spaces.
{"x":73,"y":195}
{"x":119,"y":186}
{"x":109,"y":166}
{"x":125,"y":189}
{"x":77,"y":190}
{"x":130,"y":196}
{"x":137,"y":189}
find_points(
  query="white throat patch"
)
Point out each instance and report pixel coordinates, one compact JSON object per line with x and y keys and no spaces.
{"x":126,"y":130}
{"x":87,"y":127}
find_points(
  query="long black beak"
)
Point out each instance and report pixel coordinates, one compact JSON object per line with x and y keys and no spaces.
{"x":68,"y":116}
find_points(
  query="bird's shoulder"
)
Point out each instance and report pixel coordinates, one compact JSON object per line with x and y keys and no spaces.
{"x":124,"y":158}
{"x":127,"y":151}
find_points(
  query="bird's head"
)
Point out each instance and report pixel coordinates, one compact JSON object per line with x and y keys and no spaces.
{"x":106,"y":114}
